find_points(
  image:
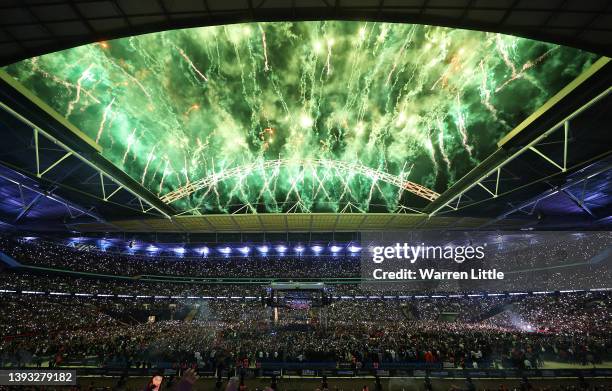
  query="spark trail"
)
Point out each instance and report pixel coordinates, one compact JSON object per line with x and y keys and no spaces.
{"x":103,"y":121}
{"x":146,"y":167}
{"x":265,"y":47}
{"x":129,"y":145}
{"x":190,"y":63}
{"x":84,"y":75}
{"x":461,"y":127}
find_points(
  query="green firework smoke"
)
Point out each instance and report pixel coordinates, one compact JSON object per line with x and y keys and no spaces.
{"x":266,"y":109}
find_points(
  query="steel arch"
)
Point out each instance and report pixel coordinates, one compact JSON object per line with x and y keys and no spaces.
{"x":345,"y":166}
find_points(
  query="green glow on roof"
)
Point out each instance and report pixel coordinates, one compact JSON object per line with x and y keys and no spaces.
{"x":422,"y":103}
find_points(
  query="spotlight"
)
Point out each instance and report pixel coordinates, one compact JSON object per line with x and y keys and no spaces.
{"x":354,"y":249}
{"x":203,"y":251}
{"x":299,"y":249}
{"x":335,"y":249}
{"x":244,"y":250}
{"x":104,"y":244}
{"x":317,"y":249}
{"x":152,"y":248}
{"x":179,"y":251}
{"x":225,"y":250}
{"x":263,"y":249}
{"x":281,"y":249}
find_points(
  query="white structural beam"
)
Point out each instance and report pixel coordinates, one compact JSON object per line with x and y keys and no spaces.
{"x":531,"y":146}
{"x":38,"y":131}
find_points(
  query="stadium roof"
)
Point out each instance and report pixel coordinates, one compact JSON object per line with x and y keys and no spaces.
{"x":307,"y":126}
{"x":31,"y":28}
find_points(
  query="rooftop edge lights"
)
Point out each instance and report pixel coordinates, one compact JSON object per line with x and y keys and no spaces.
{"x":225,"y":250}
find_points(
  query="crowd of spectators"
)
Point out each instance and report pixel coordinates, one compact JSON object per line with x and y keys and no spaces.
{"x":553,"y":260}
{"x":57,"y":319}
{"x":215,"y":334}
{"x":545,"y":249}
{"x":90,"y":259}
{"x":562,"y":314}
{"x":52,"y":282}
{"x":22,"y":315}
